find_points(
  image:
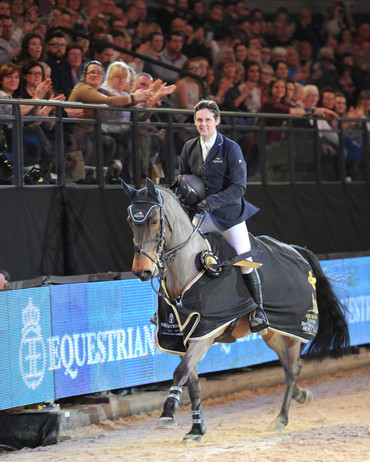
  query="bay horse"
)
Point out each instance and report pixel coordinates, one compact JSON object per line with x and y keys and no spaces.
{"x":167,"y":246}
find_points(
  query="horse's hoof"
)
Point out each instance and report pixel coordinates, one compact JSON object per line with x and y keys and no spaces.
{"x":192,"y":437}
{"x":166,"y":422}
{"x":276,"y":426}
{"x":308,"y":397}
{"x":305,"y":397}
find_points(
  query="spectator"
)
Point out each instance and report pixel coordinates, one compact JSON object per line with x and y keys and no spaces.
{"x":88,"y":92}
{"x":298,"y":95}
{"x":211,"y":83}
{"x":151,"y":140}
{"x":155,"y":40}
{"x":354,"y":138}
{"x":340,"y":106}
{"x":277,"y":38}
{"x":74,"y":57}
{"x":325,"y":72}
{"x":10,"y":47}
{"x":186,"y":95}
{"x":265,"y":54}
{"x":38,"y":152}
{"x":84,"y":42}
{"x":250,"y":89}
{"x":16,"y":13}
{"x":337,"y":22}
{"x":278,"y":54}
{"x":215,"y":20}
{"x":165,"y":15}
{"x":240,"y":53}
{"x":347,"y":77}
{"x":328,"y":138}
{"x":327,"y":98}
{"x":305,"y":52}
{"x":281,"y":70}
{"x":116,"y":83}
{"x":61,"y":75}
{"x":78,"y":18}
{"x":293,"y":63}
{"x":228,"y":69}
{"x":195,"y":42}
{"x":35,"y":85}
{"x":234,"y":97}
{"x":273,"y":103}
{"x":363,"y":34}
{"x":289,"y":93}
{"x":31,"y":48}
{"x":171,"y":55}
{"x":254,"y":55}
{"x":203,"y":64}
{"x":267,"y":73}
{"x":305,"y":32}
{"x":103,"y":52}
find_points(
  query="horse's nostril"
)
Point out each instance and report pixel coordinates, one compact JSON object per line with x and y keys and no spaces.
{"x":145,"y":275}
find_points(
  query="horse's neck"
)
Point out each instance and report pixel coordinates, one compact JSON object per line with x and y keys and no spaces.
{"x":181,"y":269}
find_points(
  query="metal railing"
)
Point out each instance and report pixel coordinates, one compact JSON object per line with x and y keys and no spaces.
{"x":296,"y":151}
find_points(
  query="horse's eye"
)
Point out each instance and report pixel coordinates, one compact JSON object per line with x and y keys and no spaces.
{"x":154,"y":222}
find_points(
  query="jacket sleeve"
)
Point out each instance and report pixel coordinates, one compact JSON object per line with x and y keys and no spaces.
{"x":237,"y":182}
{"x":184,"y":167}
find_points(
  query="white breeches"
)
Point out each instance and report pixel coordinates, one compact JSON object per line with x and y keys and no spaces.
{"x":237,"y":237}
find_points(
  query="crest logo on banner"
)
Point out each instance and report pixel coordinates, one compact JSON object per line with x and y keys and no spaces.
{"x":32,"y":352}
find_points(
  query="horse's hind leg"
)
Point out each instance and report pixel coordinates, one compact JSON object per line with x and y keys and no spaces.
{"x":198,"y":428}
{"x":185,"y":370}
{"x":302,"y":395}
{"x":288,"y":350}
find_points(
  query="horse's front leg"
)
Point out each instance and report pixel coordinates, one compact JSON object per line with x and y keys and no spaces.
{"x":187,"y":366}
{"x":198,"y":428}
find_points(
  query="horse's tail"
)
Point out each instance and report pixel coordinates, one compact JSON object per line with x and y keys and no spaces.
{"x":332,"y":335}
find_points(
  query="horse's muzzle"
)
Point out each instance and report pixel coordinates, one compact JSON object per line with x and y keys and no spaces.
{"x":145,"y":275}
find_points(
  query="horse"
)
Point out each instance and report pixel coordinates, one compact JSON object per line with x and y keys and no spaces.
{"x":167,"y":246}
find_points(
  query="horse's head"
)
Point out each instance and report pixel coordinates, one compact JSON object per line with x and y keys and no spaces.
{"x":145,"y":216}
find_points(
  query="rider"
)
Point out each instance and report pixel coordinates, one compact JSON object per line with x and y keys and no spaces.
{"x":219,"y":162}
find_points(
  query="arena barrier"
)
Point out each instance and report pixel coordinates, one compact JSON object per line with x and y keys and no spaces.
{"x":65,"y":340}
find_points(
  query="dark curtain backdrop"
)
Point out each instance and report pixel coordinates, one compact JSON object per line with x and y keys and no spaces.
{"x":73,"y":231}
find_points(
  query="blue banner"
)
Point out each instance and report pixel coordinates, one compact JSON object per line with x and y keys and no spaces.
{"x":76,"y":339}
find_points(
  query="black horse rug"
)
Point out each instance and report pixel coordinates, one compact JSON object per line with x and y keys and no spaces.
{"x":208,"y":304}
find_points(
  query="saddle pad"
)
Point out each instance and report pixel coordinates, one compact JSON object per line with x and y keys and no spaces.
{"x":288,"y":288}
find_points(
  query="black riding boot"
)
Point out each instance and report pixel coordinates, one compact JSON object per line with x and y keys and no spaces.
{"x":259,"y":321}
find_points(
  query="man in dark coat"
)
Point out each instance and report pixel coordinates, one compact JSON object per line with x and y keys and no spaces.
{"x":219,"y":162}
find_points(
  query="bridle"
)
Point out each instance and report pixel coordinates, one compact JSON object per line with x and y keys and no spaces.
{"x":161,"y":257}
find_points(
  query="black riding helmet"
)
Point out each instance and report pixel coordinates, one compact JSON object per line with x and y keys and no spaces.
{"x":192,"y":189}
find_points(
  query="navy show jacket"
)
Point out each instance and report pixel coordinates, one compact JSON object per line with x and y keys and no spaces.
{"x":224,"y":174}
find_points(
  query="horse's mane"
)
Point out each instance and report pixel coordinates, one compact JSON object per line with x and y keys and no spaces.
{"x":173,"y":195}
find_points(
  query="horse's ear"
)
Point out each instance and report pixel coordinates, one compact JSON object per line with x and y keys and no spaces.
{"x":152,"y":190}
{"x":131,"y":192}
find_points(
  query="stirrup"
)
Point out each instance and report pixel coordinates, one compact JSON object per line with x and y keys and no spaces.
{"x":259,"y":322}
{"x":154,"y":319}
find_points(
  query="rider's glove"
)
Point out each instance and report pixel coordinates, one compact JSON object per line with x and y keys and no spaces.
{"x":202,"y":207}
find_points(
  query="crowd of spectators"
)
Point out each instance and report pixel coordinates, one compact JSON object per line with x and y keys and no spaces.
{"x":249,"y":61}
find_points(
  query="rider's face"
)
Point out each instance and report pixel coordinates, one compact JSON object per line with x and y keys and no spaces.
{"x":206,"y":124}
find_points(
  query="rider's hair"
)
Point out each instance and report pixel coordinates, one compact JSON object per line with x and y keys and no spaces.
{"x":210,"y":105}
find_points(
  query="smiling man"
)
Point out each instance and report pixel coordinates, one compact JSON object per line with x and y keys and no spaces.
{"x":219,"y":163}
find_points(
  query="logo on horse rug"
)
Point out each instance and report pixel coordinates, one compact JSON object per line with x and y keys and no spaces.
{"x":208,"y":304}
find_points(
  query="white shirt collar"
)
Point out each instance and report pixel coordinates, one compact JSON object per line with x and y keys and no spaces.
{"x":210,"y":142}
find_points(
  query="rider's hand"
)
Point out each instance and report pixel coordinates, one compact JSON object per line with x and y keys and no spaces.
{"x":202,"y":207}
